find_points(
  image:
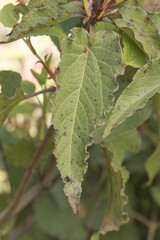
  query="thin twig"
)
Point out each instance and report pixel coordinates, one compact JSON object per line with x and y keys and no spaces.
{"x":51,"y":89}
{"x":4,"y":216}
{"x":153,"y":224}
{"x":35,"y":191}
{"x":140,"y":218}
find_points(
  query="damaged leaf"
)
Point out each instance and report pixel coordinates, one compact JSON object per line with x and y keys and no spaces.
{"x":88,"y":71}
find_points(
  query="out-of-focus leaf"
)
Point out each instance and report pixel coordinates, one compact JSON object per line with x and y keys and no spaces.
{"x":28,"y":87}
{"x":128,"y":231}
{"x":54,"y":215}
{"x":155,"y":193}
{"x":9,"y":82}
{"x":8,"y":17}
{"x":40,"y":77}
{"x":34,"y":234}
{"x":7,"y":104}
{"x":24,"y":108}
{"x":152,"y":165}
{"x":20,"y":154}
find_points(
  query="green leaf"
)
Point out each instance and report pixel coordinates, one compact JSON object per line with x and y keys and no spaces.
{"x":115,"y":215}
{"x":155,"y":193}
{"x":28,"y":87}
{"x":119,"y":2}
{"x":86,"y":6}
{"x":127,"y":141}
{"x":114,"y":152}
{"x":156,"y":19}
{"x":152,"y":165}
{"x":8,"y":17}
{"x":7,"y":104}
{"x":95,"y":236}
{"x":88,"y":71}
{"x":105,"y":26}
{"x":11,"y":94}
{"x":133,"y":55}
{"x":14,"y":152}
{"x":129,"y":124}
{"x":144,"y":30}
{"x":127,"y":231}
{"x":42,"y":18}
{"x":9,"y":82}
{"x":40,"y":77}
{"x":54,"y":216}
{"x":145,"y":84}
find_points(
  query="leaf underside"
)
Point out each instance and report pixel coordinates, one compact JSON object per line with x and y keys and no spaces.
{"x":88,"y":71}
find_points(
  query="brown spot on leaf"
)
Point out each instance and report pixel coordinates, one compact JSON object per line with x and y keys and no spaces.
{"x":145,"y":71}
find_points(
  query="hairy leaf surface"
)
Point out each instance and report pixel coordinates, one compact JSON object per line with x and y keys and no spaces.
{"x":88,"y":71}
{"x":145,"y":84}
{"x":144,"y":30}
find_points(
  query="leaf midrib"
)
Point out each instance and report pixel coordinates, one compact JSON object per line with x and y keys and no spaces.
{"x":70,"y":147}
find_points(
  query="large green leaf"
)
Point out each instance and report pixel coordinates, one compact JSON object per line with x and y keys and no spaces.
{"x":88,"y":71}
{"x":144,"y":30}
{"x":42,"y":18}
{"x":145,"y":84}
